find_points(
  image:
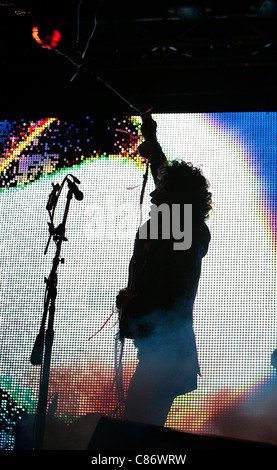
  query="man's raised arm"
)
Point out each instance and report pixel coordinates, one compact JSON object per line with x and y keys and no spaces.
{"x":150,"y":148}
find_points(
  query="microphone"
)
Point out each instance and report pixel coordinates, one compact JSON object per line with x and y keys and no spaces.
{"x":75,"y":179}
{"x":74,"y":188}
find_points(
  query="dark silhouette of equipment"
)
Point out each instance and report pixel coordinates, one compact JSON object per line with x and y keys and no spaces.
{"x":42,"y":350}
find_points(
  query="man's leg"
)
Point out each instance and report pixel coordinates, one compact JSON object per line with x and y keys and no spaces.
{"x":149,"y":396}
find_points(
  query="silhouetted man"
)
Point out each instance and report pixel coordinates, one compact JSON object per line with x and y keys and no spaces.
{"x":156,"y":307}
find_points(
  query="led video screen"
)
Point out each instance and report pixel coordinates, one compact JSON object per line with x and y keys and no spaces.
{"x":235,"y":308}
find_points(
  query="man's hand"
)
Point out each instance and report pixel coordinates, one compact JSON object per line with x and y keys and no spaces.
{"x":149,"y":126}
{"x":150,"y":149}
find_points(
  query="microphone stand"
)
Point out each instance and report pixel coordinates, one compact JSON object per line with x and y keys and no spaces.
{"x":42,"y":350}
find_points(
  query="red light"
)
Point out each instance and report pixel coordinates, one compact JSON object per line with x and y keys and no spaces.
{"x":50,"y":41}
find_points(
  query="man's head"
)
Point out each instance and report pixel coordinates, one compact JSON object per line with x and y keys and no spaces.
{"x":181,"y":183}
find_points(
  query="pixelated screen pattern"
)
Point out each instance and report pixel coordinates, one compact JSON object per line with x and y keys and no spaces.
{"x":234,"y":314}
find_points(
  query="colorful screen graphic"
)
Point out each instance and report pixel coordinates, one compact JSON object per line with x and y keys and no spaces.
{"x":235,"y":309}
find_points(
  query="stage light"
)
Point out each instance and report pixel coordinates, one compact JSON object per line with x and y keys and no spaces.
{"x":49,"y":40}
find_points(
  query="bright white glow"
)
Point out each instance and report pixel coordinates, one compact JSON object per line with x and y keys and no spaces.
{"x":235,"y":307}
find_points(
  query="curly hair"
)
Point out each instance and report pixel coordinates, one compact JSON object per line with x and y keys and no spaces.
{"x":186,"y":184}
